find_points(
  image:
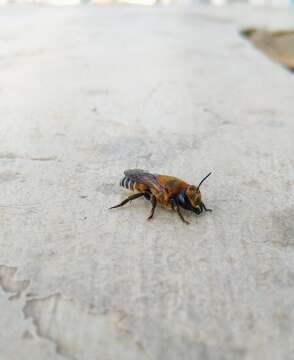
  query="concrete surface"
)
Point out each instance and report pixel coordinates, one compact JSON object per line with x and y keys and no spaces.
{"x":87,"y":92}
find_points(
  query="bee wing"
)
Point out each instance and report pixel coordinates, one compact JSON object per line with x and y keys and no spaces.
{"x":144,"y":177}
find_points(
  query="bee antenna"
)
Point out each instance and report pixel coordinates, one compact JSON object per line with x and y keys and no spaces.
{"x":204,"y":179}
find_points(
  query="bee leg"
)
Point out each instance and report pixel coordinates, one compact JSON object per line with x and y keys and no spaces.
{"x":130,"y":198}
{"x":197,"y":210}
{"x":154,"y":203}
{"x":181,"y":216}
{"x":147,"y":195}
{"x":205,"y":208}
{"x":177,"y":209}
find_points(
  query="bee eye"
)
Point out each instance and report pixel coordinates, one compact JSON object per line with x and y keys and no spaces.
{"x":181,"y":198}
{"x":184,"y":200}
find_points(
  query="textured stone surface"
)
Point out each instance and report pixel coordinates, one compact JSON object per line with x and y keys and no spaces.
{"x":87,"y":92}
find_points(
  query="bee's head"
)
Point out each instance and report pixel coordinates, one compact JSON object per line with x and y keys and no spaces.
{"x":190,"y":199}
{"x":194,"y":195}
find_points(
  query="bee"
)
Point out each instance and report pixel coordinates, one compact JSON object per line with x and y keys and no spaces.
{"x":168,"y":191}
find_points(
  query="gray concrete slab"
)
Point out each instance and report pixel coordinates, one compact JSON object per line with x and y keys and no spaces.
{"x":87,"y":92}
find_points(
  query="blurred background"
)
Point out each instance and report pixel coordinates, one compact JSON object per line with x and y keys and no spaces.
{"x":277,"y":3}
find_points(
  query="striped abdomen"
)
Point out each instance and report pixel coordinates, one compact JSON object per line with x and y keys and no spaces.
{"x":128,"y":183}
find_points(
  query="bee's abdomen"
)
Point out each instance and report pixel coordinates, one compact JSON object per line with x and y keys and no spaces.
{"x":128,"y":183}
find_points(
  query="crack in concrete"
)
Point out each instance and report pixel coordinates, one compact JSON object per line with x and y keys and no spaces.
{"x":9,"y":284}
{"x":33,"y":310}
{"x":69,"y":325}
